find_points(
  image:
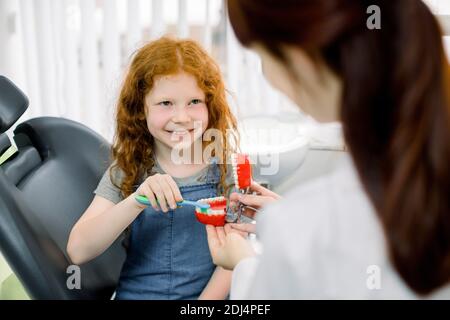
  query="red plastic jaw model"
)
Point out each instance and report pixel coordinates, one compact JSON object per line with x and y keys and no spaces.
{"x":215,"y":215}
{"x":242,"y":170}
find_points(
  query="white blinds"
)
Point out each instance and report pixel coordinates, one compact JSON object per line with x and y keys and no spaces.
{"x":69,"y":56}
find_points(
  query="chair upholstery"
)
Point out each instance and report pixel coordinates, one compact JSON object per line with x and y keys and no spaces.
{"x":44,"y":189}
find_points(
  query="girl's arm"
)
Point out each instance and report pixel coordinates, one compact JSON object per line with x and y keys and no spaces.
{"x":103,"y":222}
{"x":99,"y":227}
{"x":218,"y":286}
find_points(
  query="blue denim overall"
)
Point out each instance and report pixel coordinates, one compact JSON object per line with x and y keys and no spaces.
{"x":168,"y":255}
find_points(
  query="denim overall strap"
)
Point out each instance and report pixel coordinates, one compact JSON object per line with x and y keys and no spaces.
{"x":168,"y":255}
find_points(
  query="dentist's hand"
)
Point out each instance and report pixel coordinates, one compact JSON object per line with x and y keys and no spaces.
{"x":261,"y":198}
{"x":162,"y":189}
{"x":227,"y":247}
{"x":243,"y":228}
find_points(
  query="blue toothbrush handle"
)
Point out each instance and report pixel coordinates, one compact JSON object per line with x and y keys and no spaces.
{"x":195,"y":204}
{"x":143,"y":200}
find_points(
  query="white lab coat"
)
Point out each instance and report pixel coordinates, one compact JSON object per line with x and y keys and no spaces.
{"x":322,"y":241}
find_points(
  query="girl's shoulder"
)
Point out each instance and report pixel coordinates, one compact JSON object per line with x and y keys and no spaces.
{"x":109,"y":185}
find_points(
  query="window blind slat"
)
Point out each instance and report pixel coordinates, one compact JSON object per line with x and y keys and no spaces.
{"x":207,"y":32}
{"x":133,"y":35}
{"x":31,"y":57}
{"x":89,"y":66}
{"x":71,"y":75}
{"x":111,"y":48}
{"x":46,"y":56}
{"x":58,"y":34}
{"x":183,"y":27}
{"x":158,"y":27}
{"x":111,"y":63}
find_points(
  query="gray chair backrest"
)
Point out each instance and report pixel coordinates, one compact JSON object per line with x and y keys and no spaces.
{"x":44,"y":189}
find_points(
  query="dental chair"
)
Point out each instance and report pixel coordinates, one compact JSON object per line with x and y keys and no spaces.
{"x":44,"y":188}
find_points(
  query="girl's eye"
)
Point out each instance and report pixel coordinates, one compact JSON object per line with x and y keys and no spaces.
{"x":165,"y":103}
{"x":196,"y":101}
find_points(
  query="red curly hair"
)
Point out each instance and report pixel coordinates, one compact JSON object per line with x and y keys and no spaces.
{"x":132,"y":149}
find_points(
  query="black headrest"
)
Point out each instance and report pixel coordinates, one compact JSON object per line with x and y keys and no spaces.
{"x":13,"y":104}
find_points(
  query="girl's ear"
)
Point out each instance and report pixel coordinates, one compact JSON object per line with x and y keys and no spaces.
{"x":143,"y":117}
{"x":146,"y":109}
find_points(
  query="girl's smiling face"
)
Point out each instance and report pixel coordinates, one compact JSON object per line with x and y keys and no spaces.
{"x":174,"y":107}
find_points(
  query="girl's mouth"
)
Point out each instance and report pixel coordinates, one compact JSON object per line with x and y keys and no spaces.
{"x":180,"y":135}
{"x":180,"y":132}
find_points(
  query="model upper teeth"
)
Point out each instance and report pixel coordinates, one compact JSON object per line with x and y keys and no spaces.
{"x":212,"y":210}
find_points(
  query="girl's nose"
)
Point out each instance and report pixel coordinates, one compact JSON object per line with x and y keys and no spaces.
{"x":180,"y":114}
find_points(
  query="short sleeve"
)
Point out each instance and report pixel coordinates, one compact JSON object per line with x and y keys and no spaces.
{"x":106,"y":189}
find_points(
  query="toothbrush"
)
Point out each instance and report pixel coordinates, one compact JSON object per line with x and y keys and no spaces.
{"x":202,"y":206}
{"x":242,"y":170}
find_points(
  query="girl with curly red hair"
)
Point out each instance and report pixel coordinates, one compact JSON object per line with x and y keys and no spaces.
{"x":173,"y":93}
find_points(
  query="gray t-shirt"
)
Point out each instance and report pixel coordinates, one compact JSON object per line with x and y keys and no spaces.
{"x":109,"y":191}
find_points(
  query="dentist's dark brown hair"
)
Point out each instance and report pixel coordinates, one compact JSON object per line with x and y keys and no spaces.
{"x":395,"y":111}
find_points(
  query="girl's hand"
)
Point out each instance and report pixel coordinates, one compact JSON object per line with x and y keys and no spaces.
{"x":160,"y":189}
{"x":261,"y":198}
{"x":227,"y":247}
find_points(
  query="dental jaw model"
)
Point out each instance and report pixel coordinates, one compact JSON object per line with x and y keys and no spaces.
{"x":242,"y":171}
{"x":215,"y":214}
{"x":219,"y":211}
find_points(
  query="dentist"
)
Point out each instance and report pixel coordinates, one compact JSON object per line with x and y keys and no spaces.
{"x":379,"y":225}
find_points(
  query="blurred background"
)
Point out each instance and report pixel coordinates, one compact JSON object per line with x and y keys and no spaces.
{"x":70,"y":56}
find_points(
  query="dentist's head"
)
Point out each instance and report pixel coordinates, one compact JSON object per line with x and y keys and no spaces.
{"x":389,"y":87}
